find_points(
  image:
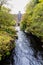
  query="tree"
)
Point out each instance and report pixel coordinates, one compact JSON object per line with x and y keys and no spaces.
{"x":36,"y":1}
{"x":7,"y":32}
{"x":3,"y":8}
{"x":2,"y":2}
{"x":34,"y":21}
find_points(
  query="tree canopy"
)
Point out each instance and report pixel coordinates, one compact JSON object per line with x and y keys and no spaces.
{"x":2,"y":2}
{"x":33,"y":18}
{"x":7,"y":32}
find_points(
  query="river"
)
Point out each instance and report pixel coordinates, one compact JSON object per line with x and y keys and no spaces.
{"x":24,"y":53}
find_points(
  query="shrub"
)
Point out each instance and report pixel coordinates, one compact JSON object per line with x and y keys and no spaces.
{"x":34,"y":20}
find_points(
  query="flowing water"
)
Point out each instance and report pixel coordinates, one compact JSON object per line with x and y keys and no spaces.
{"x":24,"y":53}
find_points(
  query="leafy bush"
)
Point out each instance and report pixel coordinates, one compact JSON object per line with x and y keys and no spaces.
{"x":7,"y":33}
{"x":34,"y":20}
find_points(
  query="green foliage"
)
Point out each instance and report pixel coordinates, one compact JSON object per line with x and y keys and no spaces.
{"x":3,"y":8}
{"x":6,"y":18}
{"x":24,"y":22}
{"x":2,"y":2}
{"x":34,"y":20}
{"x":8,"y":53}
{"x":7,"y":33}
{"x":41,"y":0}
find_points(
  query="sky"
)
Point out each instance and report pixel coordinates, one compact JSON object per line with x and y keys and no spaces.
{"x":18,"y":5}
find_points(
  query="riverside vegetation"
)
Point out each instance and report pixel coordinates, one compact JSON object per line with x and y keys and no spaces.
{"x":7,"y":32}
{"x":33,"y":19}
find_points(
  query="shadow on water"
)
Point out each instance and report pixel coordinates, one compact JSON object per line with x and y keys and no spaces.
{"x":36,"y":44}
{"x":7,"y":60}
{"x":27,"y":52}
